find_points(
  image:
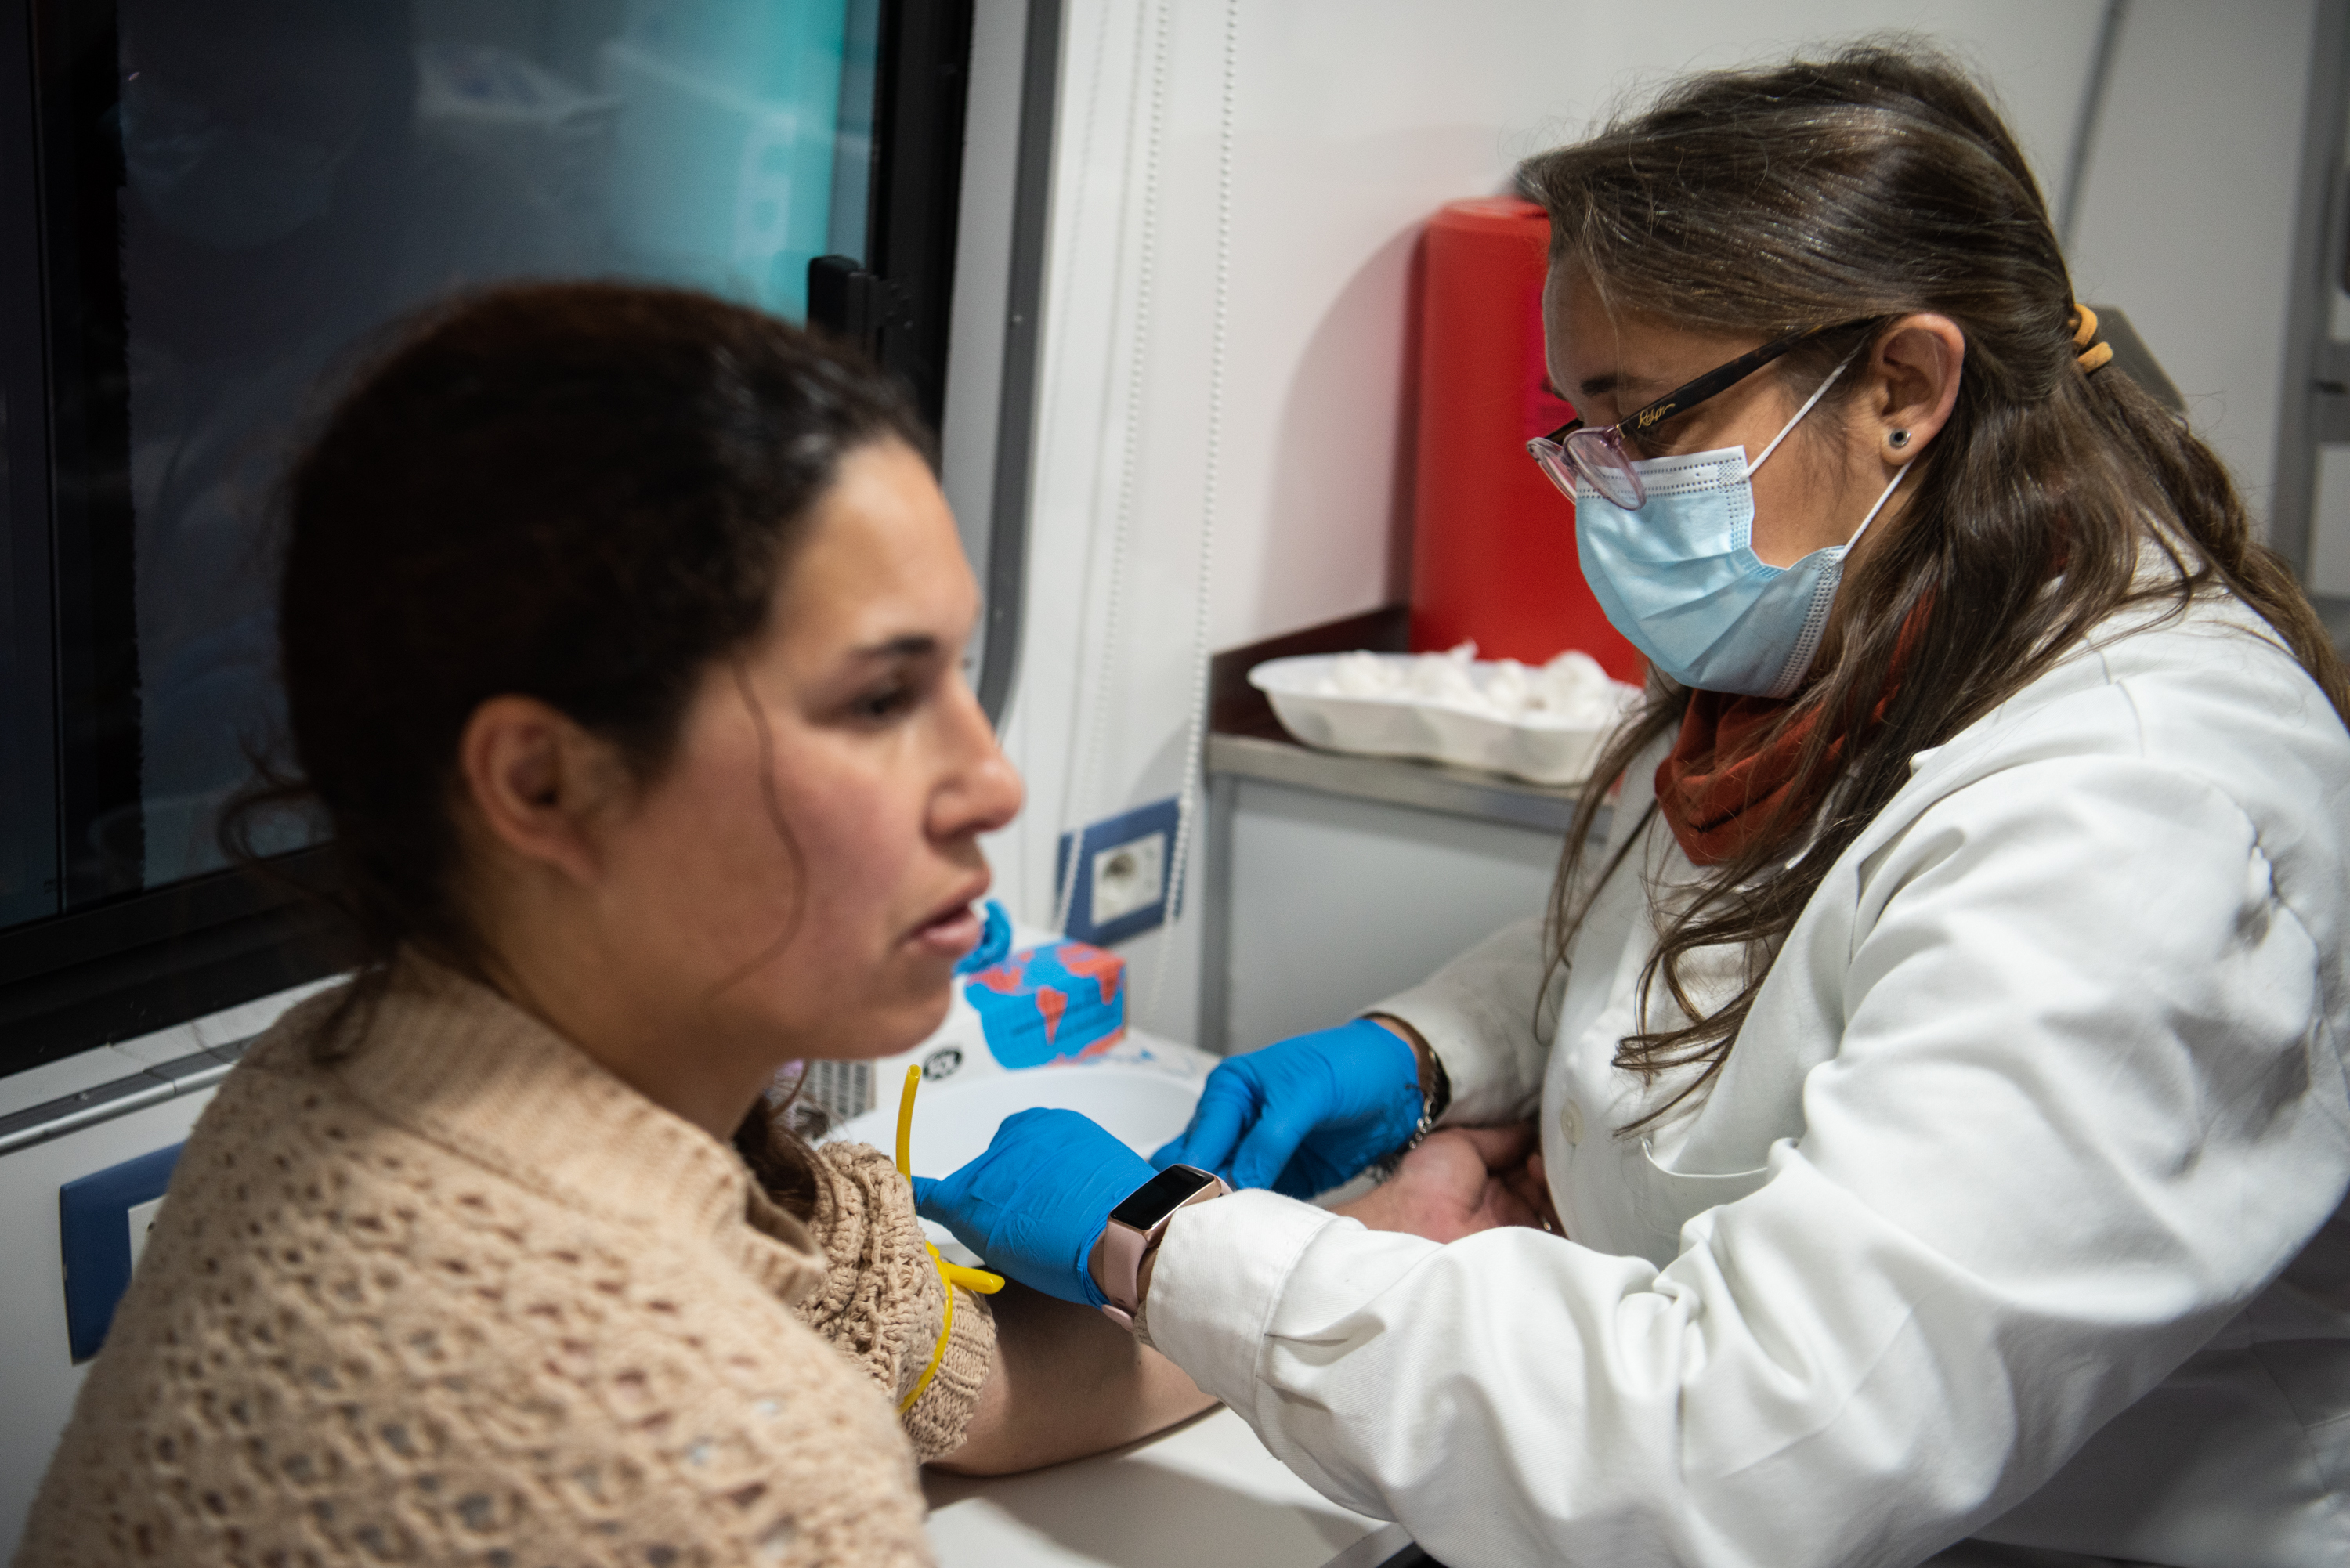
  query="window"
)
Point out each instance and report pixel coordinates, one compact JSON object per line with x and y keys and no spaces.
{"x":209,"y":206}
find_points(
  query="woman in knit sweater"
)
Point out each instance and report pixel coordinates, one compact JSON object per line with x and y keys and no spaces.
{"x":621,"y":632}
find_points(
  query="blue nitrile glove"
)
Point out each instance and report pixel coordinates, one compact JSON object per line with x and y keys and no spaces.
{"x":994,"y":940}
{"x":1035,"y":1203}
{"x":1306,"y":1113}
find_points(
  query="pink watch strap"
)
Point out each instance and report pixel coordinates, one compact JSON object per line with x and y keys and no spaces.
{"x":1122,"y":1250}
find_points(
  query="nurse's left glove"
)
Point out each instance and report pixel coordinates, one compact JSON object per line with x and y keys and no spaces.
{"x":1306,"y":1113}
{"x":1036,"y":1202}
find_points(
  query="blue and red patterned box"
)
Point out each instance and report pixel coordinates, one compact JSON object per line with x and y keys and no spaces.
{"x":1054,"y":1002}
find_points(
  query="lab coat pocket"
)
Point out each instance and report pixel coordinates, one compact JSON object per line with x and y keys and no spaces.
{"x":1665,"y":1200}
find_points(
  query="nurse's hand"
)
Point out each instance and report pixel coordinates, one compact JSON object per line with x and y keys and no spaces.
{"x":1306,"y":1113}
{"x":1035,"y":1203}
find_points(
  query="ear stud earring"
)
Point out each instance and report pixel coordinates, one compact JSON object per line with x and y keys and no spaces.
{"x":1898,"y":440}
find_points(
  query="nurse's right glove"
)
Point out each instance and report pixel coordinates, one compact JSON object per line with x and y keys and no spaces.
{"x":1306,"y":1113}
{"x":1036,"y":1202}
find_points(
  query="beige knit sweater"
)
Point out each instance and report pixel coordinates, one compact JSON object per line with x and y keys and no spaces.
{"x":465,"y":1297}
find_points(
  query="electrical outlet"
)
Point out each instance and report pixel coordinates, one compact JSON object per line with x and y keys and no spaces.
{"x":1127,"y":863}
{"x":1129,"y":876}
{"x":142,"y":1220}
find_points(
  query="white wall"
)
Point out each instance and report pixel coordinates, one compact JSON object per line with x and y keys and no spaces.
{"x":2187,"y":218}
{"x":1354,"y":119}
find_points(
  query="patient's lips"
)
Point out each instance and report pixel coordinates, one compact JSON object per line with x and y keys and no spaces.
{"x":955,"y":929}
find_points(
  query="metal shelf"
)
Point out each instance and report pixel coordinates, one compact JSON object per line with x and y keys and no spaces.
{"x":1246,"y":743}
{"x":1395,"y":781}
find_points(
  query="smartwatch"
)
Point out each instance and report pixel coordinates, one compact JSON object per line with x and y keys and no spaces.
{"x":1135,"y":1227}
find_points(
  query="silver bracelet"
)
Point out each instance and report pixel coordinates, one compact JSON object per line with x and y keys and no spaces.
{"x":1434,"y":1101}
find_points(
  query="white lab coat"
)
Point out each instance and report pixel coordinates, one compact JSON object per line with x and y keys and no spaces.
{"x":2016,"y":1214}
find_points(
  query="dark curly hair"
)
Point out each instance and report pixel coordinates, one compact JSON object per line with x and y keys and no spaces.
{"x":582,"y":493}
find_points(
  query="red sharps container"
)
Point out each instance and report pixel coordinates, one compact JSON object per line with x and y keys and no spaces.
{"x":1492,"y":550}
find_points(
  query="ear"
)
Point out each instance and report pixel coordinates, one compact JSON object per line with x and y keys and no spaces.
{"x":1915,"y":367}
{"x":540,"y":784}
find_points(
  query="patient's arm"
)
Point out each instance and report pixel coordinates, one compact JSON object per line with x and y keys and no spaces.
{"x":1459,"y":1181}
{"x":1066,"y":1382}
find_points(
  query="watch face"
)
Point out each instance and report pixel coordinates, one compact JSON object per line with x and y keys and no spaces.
{"x":1161,"y":1196}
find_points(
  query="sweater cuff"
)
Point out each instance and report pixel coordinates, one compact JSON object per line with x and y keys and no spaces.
{"x":1221,"y":1268}
{"x":936,"y":1422}
{"x":883,"y":1303}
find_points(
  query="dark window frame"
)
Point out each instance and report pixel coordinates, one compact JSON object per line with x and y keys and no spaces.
{"x":111,"y":964}
{"x":27,"y":721}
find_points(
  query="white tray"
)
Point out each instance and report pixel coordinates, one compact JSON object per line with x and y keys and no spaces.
{"x":1141,"y":1107}
{"x":1540,"y":751}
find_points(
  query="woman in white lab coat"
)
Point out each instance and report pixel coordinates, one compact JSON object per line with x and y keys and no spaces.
{"x":1939,"y":1071}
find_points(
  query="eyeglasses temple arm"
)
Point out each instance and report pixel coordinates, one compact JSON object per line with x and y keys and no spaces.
{"x":1723,"y":377}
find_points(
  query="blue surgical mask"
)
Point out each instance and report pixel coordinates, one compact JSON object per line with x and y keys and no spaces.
{"x":1680,"y":577}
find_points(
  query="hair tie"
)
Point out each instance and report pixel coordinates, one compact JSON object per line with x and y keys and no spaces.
{"x":2093,"y":354}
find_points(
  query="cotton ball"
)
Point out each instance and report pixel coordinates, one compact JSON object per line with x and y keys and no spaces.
{"x":1573,"y":689}
{"x":1360,"y":675}
{"x":1446,"y":680}
{"x":1570,"y":690}
{"x":1509,"y":687}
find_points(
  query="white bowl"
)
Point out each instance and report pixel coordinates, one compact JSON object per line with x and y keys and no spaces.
{"x":953,"y":1122}
{"x":1535,"y":748}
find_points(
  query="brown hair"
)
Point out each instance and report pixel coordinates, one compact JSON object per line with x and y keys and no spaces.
{"x":1874,"y":182}
{"x":582,"y":493}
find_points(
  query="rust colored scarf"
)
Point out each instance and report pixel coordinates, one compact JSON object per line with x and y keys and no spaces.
{"x":1727,"y":778}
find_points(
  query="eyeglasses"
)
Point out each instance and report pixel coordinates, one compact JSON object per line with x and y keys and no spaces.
{"x":1597,"y":454}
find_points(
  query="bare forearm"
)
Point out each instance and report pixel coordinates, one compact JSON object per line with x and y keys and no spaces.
{"x":1460,"y":1181}
{"x":1066,"y":1382}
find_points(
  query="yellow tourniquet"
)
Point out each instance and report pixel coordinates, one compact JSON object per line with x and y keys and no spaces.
{"x":952,"y":1274}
